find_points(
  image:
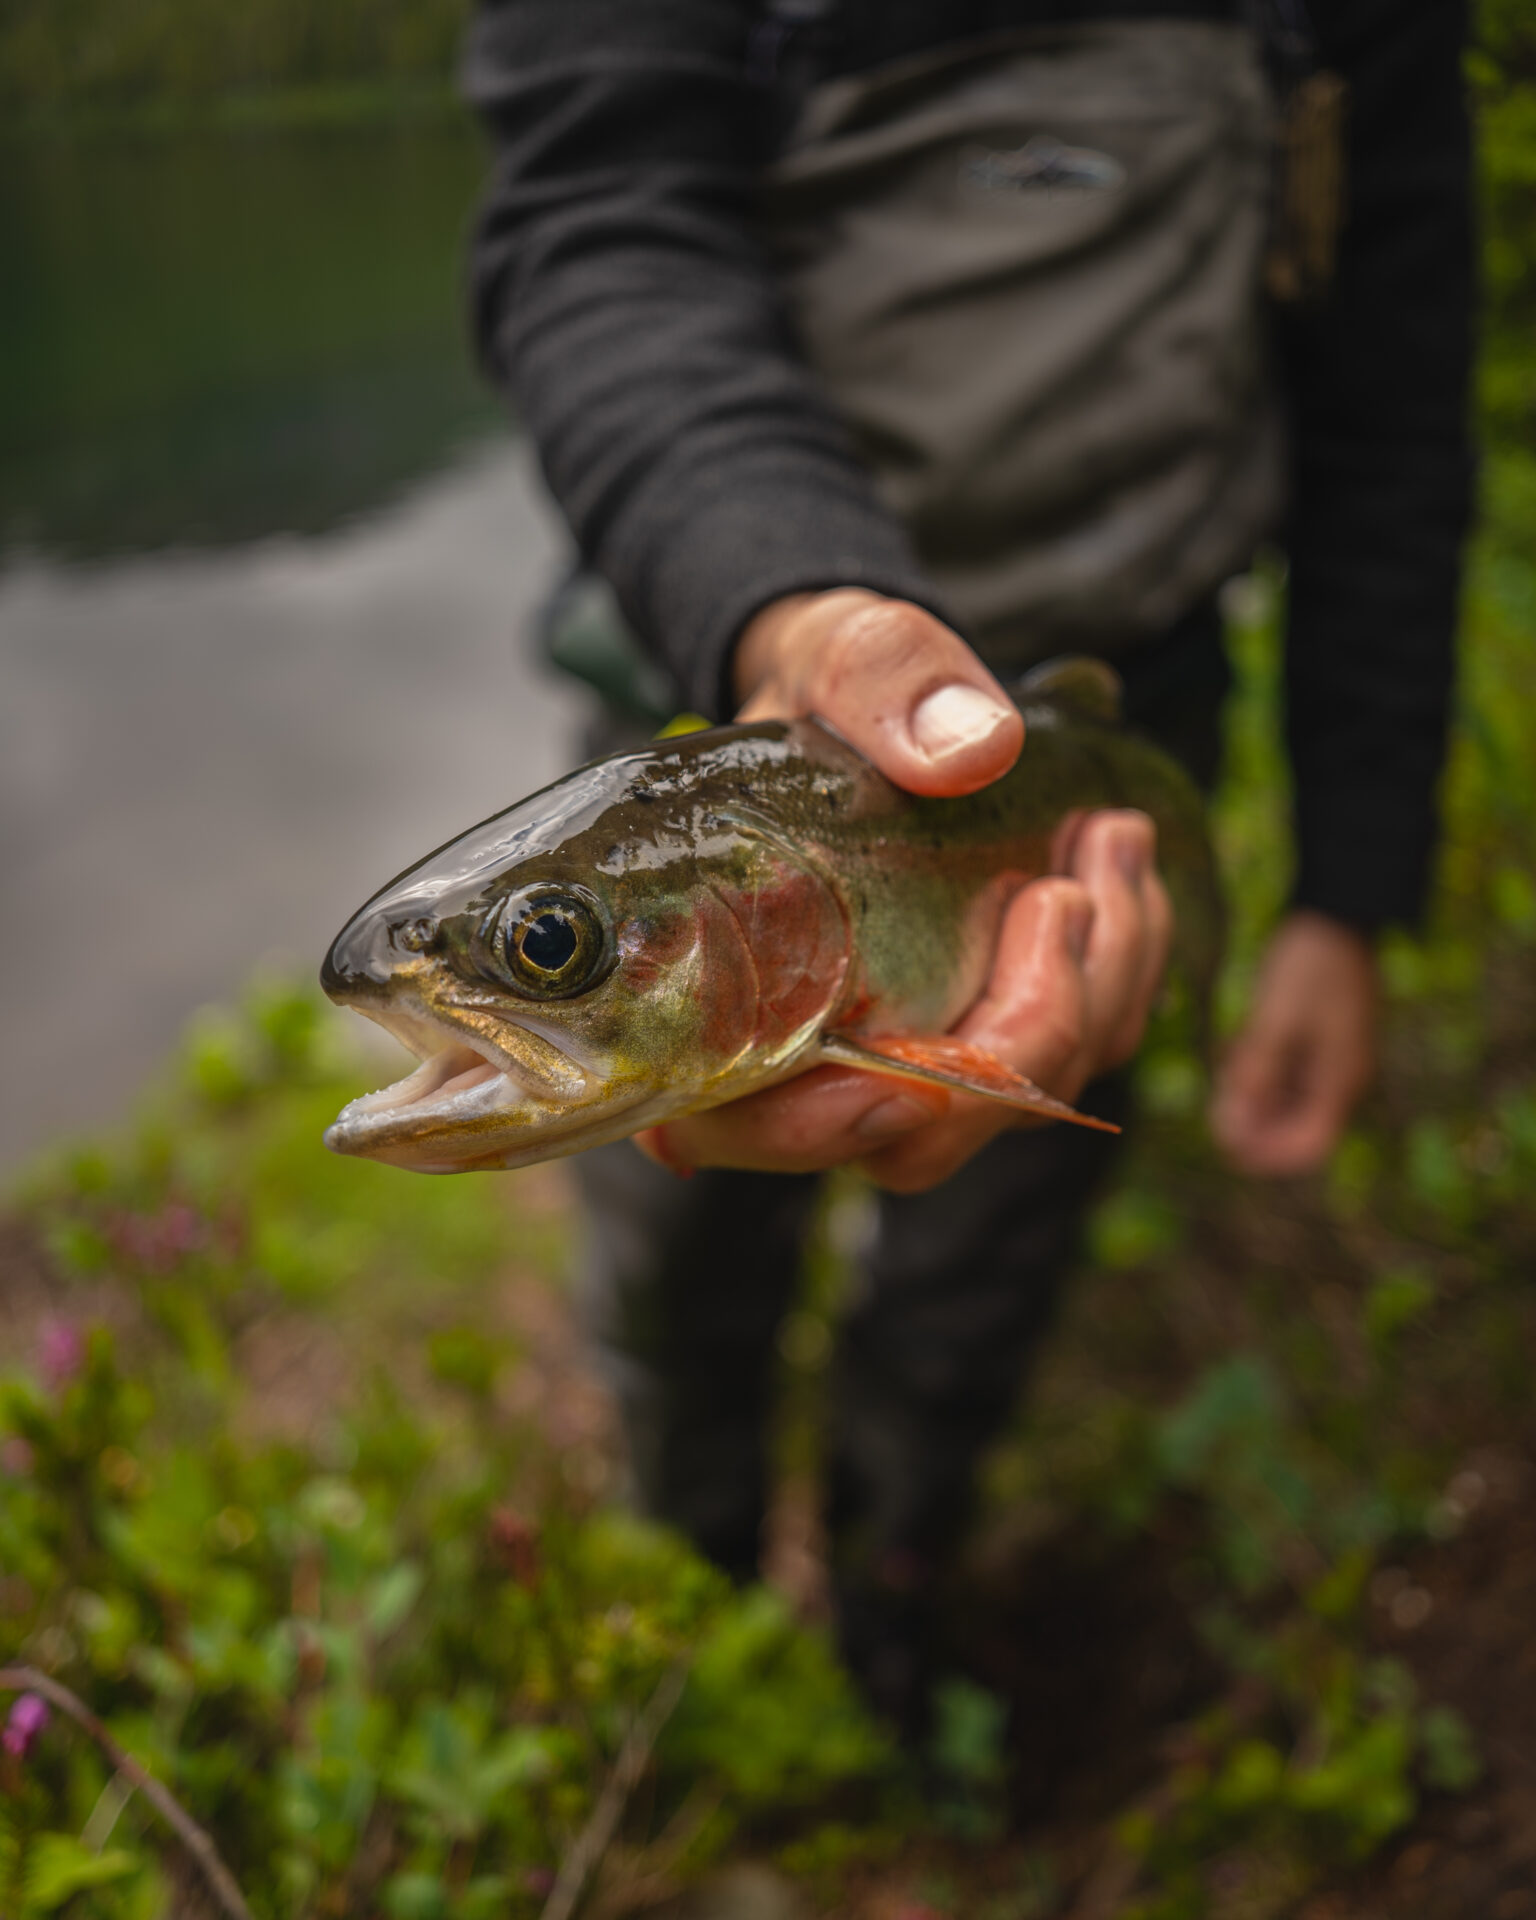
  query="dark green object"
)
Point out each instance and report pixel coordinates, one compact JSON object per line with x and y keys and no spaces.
{"x":582,"y":633}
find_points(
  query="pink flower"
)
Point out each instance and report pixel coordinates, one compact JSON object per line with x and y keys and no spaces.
{"x":60,"y":1352}
{"x":159,"y":1240}
{"x":28,"y":1716}
{"x":16,"y":1457}
{"x":515,"y":1543}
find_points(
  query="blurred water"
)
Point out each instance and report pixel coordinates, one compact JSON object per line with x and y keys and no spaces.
{"x":206,"y":337}
{"x":261,"y":608}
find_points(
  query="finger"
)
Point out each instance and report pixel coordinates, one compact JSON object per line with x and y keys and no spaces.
{"x":1279,"y":1101}
{"x":1115,"y":858}
{"x":928,"y":1156}
{"x":901,"y":687}
{"x":824,"y":1118}
{"x":1030,"y":1017}
{"x":1249,"y":1078}
{"x":1286,"y":1099}
{"x":1033,"y":1013}
{"x":1293,"y":1141}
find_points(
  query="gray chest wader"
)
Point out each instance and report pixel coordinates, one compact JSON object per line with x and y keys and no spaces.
{"x":1028,"y":271}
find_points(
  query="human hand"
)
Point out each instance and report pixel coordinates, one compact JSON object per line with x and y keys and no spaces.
{"x":1291,"y":1078}
{"x":1079,"y":957}
{"x":1079,"y":961}
{"x":895,"y":682}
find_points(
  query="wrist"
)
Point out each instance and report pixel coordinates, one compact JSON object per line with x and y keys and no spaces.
{"x":1318,"y":928}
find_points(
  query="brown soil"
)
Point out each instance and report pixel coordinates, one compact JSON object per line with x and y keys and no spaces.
{"x":1475,"y":1649}
{"x":1094,"y":1652}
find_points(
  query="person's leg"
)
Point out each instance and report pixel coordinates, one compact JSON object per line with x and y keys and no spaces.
{"x":961,"y":1284}
{"x":958,"y":1288}
{"x":682,"y":1286}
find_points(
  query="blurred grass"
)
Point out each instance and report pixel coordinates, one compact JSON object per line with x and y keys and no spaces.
{"x":165,"y":61}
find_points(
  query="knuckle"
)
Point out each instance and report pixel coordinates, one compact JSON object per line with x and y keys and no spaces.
{"x":916,"y":1166}
{"x":1063,"y":1034}
{"x":888,"y":638}
{"x":1059,"y":894}
{"x":1051,"y":1028}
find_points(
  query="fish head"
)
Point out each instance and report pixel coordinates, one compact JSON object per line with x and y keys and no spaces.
{"x":637,"y":941}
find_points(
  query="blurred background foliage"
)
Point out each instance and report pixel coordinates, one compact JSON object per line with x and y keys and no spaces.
{"x":299,"y":1493}
{"x":166,"y":57}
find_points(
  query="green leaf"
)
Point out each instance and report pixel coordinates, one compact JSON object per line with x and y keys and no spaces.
{"x":1132,"y":1227}
{"x":968,"y":1736}
{"x":392,"y":1596}
{"x":59,"y":1866}
{"x":1450,"y":1757}
{"x":415,"y":1896}
{"x":1394,"y":1303}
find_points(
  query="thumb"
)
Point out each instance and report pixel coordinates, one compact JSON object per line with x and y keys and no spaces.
{"x":899,"y":685}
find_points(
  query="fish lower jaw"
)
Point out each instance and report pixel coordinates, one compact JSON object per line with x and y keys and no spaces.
{"x":432,"y":1116}
{"x":460,"y":1111}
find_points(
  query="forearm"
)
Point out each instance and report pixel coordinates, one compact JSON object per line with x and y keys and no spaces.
{"x":622,"y":300}
{"x":1378,"y":382}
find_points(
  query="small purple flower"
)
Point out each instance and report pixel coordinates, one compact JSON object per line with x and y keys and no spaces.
{"x":159,"y":1240}
{"x":17,"y":1458}
{"x":28,"y":1716}
{"x":539,"y":1881}
{"x":60,"y":1352}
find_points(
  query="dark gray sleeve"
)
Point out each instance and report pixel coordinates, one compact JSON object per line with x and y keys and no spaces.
{"x":1381,"y":491}
{"x":622,"y":301}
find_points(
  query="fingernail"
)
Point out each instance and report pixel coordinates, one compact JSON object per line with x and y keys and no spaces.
{"x":897,"y":1115}
{"x":1133,"y":856}
{"x":956,"y":716}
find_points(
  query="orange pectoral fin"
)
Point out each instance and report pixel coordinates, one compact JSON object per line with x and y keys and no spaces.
{"x":943,"y":1061}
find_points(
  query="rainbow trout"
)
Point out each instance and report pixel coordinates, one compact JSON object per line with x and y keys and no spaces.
{"x":667,"y":929}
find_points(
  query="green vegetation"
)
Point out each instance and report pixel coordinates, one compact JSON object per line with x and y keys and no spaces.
{"x":284,"y":347}
{"x":167,"y":60}
{"x":388,"y":1649}
{"x":298,"y":1495}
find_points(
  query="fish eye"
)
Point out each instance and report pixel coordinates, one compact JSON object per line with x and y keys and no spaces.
{"x":547,"y":944}
{"x":554,"y":941}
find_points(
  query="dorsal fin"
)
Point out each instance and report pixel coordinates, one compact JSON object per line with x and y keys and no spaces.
{"x":1077,"y":682}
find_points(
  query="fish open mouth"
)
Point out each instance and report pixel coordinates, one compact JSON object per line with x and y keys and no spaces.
{"x":451,"y":1070}
{"x":472,"y":1094}
{"x":434,"y":1118}
{"x":467,"y":1087}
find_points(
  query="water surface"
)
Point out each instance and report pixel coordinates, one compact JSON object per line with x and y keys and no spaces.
{"x":267,"y":554}
{"x":207,"y":337}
